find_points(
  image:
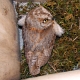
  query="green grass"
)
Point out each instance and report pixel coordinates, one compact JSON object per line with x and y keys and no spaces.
{"x":66,"y":52}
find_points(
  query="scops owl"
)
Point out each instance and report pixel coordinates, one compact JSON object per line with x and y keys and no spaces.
{"x":39,"y":33}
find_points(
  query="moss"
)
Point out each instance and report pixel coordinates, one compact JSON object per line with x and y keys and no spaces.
{"x":66,"y":52}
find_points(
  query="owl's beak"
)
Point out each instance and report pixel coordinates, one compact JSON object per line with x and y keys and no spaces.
{"x":53,"y":18}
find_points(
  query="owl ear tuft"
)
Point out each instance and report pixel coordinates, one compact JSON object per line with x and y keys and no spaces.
{"x":58,"y":30}
{"x":22,"y":20}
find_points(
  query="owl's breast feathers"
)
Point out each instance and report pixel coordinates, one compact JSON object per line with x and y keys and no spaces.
{"x":38,"y":47}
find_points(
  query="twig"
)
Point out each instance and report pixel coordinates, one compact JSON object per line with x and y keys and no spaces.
{"x":75,"y":38}
{"x":71,"y":26}
{"x":79,"y":22}
{"x":52,"y":67}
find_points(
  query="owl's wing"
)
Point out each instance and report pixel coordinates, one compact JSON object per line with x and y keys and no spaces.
{"x":58,"y":29}
{"x":21,"y":21}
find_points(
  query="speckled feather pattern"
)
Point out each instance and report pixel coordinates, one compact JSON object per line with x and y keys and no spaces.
{"x":39,"y":36}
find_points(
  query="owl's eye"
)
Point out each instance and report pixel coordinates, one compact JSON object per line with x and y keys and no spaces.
{"x":45,"y":20}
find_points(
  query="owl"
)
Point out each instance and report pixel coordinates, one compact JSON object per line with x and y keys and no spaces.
{"x":39,"y":34}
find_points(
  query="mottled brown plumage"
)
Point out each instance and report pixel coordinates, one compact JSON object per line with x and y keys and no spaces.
{"x":39,"y":33}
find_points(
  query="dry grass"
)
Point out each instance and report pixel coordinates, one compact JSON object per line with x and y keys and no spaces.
{"x":66,"y":52}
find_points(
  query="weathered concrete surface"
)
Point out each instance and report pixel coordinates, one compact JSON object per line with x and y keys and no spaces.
{"x":9,"y":51}
{"x":70,"y":75}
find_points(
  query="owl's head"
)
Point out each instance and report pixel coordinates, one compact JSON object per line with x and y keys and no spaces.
{"x":40,"y":19}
